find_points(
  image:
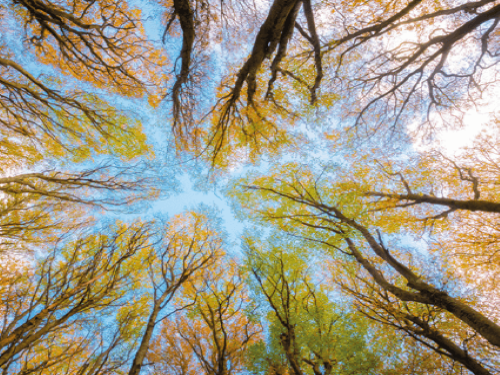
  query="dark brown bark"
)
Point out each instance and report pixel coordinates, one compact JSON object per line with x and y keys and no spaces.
{"x":455,"y":204}
{"x":317,"y":49}
{"x":286,"y":35}
{"x":182,"y":9}
{"x":288,"y":342}
{"x":455,"y":352}
{"x":315,"y":366}
{"x":142,"y":351}
{"x":426,"y":293}
{"x":264,"y":46}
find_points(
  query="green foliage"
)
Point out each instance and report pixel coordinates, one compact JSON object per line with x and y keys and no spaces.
{"x":298,"y":301}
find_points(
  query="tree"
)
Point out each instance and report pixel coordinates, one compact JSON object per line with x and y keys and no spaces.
{"x":189,"y":246}
{"x":425,"y":324}
{"x":234,"y":122}
{"x":306,"y":325}
{"x":415,"y":75}
{"x":101,"y":42}
{"x":212,"y":333}
{"x":460,"y":199}
{"x":332,"y":215}
{"x":51,"y":312}
{"x":57,"y":121}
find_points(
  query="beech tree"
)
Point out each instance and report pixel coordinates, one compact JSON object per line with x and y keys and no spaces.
{"x":39,"y":208}
{"x":50,"y":311}
{"x":42,"y":118}
{"x":99,"y":42}
{"x":212,"y":334}
{"x":460,"y":198}
{"x":414,"y":75}
{"x":189,"y":246}
{"x":354,"y":203}
{"x":306,"y":327}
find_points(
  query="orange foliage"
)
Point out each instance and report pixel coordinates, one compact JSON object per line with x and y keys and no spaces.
{"x":213,"y":331}
{"x":102,"y":42}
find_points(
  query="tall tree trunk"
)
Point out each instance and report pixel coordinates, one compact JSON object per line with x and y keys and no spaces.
{"x":146,"y":338}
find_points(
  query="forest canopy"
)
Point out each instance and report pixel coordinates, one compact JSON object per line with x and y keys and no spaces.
{"x":358,"y":142}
